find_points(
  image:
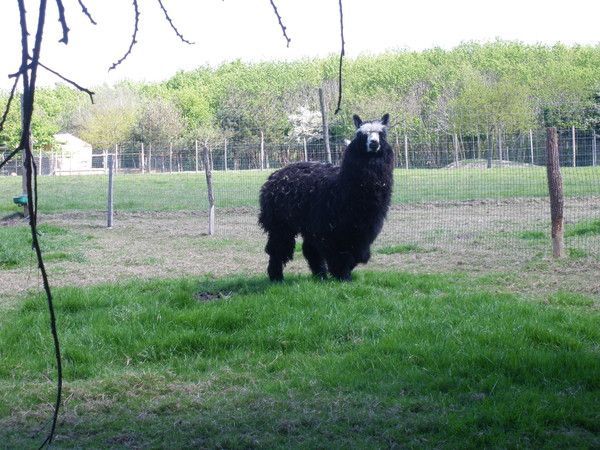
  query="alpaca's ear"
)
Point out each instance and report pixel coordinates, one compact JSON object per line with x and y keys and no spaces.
{"x":357,"y":121}
{"x":385,"y":119}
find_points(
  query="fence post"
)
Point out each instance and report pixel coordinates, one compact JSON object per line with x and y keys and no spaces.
{"x":209,"y":188}
{"x":116,"y":157}
{"x":142,"y":158}
{"x":594,"y":154}
{"x":531,"y":144}
{"x":262,"y":150}
{"x":555,"y":189}
{"x":500,"y":146}
{"x":109,"y":210}
{"x":574,"y":146}
{"x":305,"y":148}
{"x":225,"y":153}
{"x":325,"y":125}
{"x":406,"y":150}
{"x":455,"y":149}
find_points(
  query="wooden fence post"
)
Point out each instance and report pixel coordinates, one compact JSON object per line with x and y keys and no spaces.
{"x":109,"y":209}
{"x":555,"y":189}
{"x":209,"y":188}
{"x":325,"y":125}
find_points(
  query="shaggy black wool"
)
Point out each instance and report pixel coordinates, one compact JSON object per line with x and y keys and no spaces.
{"x":338,"y":211}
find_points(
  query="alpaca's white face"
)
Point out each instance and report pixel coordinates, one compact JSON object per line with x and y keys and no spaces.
{"x":373,"y":131}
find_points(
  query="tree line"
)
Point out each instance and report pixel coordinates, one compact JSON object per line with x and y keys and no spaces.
{"x":472,"y":90}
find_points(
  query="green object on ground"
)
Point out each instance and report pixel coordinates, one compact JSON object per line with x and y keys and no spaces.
{"x":20,"y":200}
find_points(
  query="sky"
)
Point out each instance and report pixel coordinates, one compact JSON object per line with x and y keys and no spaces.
{"x":225,"y":30}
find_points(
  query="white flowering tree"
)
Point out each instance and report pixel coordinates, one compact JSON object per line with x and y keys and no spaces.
{"x":307,"y":126}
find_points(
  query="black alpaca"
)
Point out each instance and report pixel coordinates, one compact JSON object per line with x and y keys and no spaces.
{"x":339,"y":211}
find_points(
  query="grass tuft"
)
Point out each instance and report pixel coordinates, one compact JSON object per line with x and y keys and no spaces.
{"x":16,"y":251}
{"x":585,"y":228}
{"x":400,"y":249}
{"x":532,"y":235}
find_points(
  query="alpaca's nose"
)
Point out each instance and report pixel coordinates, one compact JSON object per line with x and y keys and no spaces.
{"x":374,"y":145}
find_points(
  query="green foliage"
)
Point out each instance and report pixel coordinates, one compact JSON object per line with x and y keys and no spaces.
{"x":474,"y":88}
{"x":241,"y":362}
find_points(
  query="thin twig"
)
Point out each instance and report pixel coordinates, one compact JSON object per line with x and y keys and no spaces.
{"x":86,"y":12}
{"x":71,"y":82}
{"x":10,"y":99}
{"x":63,"y":22}
{"x":342,"y":53}
{"x":133,"y":36}
{"x":9,"y":157}
{"x":283,"y":27}
{"x":179,"y":35}
{"x":29,"y":86}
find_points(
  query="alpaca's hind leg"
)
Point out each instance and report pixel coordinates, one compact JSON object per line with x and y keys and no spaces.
{"x":280,"y":248}
{"x":316,"y":262}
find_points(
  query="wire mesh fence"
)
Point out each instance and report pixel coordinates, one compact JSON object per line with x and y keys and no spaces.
{"x":474,"y":195}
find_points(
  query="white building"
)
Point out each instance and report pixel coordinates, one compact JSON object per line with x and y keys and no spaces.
{"x":73,"y":157}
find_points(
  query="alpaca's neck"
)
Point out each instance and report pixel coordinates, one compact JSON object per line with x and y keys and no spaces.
{"x":367,"y":178}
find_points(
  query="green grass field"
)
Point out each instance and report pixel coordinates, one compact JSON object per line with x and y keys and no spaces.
{"x":389,"y":360}
{"x":174,"y":192}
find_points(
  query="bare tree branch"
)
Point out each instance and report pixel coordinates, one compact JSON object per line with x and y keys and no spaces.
{"x":71,"y":82}
{"x":29,"y":77}
{"x":283,"y":28}
{"x":179,"y":35}
{"x":10,"y":156}
{"x":86,"y":12}
{"x":63,"y":22}
{"x":10,"y":99}
{"x":342,"y":53}
{"x":133,"y":36}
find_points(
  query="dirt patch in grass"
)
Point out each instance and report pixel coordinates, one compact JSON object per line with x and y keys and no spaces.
{"x":476,"y":237}
{"x":207,"y":296}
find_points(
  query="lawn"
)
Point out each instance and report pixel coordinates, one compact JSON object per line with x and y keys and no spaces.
{"x":187,"y":191}
{"x":391,"y":359}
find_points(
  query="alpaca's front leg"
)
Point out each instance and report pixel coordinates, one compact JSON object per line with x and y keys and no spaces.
{"x":340,"y":265}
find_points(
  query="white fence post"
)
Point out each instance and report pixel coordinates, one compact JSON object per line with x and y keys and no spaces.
{"x":109,"y":210}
